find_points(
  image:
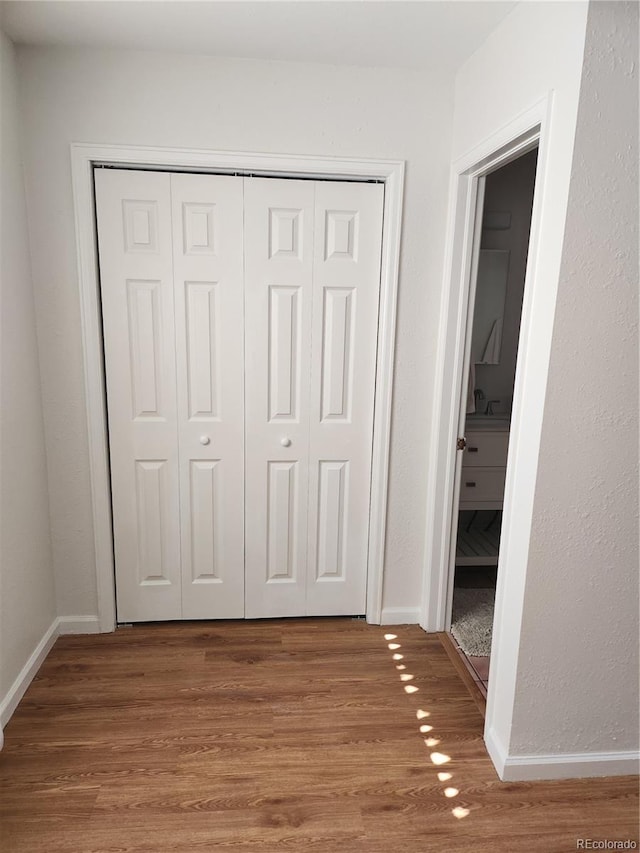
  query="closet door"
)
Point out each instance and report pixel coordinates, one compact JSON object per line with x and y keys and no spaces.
{"x":346,"y":285}
{"x":136,"y":276}
{"x":209,"y":307}
{"x":312,"y":276}
{"x":171,"y":266}
{"x":240,"y":367}
{"x":278,"y":299}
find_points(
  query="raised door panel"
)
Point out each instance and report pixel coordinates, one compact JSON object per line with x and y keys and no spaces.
{"x":346,"y":275}
{"x":338,"y":321}
{"x":332,"y":520}
{"x":278,"y":297}
{"x":136,"y":279}
{"x":208,"y":275}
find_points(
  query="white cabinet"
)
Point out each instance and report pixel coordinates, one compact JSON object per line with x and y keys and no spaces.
{"x":483,"y":468}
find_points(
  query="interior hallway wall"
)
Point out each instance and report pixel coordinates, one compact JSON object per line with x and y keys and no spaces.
{"x":27,"y":597}
{"x":532,"y":62}
{"x":578,"y":667}
{"x":136,"y":98}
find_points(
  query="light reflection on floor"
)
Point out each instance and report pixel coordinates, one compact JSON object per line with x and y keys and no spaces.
{"x":437,"y":758}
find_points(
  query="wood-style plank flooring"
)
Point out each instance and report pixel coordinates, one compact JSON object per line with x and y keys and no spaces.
{"x":297,"y":735}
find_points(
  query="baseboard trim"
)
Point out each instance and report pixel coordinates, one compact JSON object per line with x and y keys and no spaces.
{"x":581,"y":765}
{"x":78,"y":625}
{"x":400,"y":616}
{"x":61,"y":625}
{"x":28,"y":672}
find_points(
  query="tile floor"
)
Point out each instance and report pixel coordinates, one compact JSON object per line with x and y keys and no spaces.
{"x":478,"y":669}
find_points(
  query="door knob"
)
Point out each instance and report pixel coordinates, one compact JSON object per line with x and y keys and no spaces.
{"x":285,"y":442}
{"x":204,"y":439}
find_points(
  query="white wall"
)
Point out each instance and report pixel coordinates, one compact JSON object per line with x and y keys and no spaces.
{"x":27,"y":597}
{"x":172,"y":100}
{"x":535,"y":54}
{"x":577,"y":687}
{"x":563,"y":688}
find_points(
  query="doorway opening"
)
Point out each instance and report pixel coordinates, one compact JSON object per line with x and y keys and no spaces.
{"x":501,"y":243}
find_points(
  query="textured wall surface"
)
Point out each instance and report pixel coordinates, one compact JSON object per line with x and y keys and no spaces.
{"x":534,"y":58}
{"x":577,"y":688}
{"x":27,"y":599}
{"x":172,"y":100}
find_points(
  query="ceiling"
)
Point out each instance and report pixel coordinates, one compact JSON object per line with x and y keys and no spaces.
{"x":420,"y":34}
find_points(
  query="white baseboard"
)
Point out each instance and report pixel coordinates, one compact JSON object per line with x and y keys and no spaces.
{"x":9,"y":703}
{"x":581,"y":765}
{"x":60,"y":625}
{"x":400,"y":616}
{"x":78,"y":625}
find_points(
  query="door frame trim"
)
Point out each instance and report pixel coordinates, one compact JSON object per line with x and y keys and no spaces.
{"x":84,"y":156}
{"x":534,"y":352}
{"x":506,"y":144}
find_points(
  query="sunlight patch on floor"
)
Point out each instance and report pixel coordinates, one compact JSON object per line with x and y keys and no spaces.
{"x":437,"y":758}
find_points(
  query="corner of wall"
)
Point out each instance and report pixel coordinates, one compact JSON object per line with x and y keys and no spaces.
{"x":28,"y":611}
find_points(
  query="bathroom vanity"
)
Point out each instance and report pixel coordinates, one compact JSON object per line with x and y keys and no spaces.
{"x":484,"y":462}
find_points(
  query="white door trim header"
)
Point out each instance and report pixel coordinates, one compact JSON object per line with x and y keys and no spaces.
{"x":83,"y":159}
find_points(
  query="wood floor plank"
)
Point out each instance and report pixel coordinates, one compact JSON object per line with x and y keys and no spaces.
{"x":297,"y":735}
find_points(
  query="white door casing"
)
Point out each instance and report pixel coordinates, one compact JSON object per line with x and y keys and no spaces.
{"x":311,"y":319}
{"x":85,"y":157}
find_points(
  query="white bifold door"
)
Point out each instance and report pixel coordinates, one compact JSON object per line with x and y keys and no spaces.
{"x":240,"y":327}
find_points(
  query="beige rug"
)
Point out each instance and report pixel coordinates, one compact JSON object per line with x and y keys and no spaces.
{"x":472,"y":620}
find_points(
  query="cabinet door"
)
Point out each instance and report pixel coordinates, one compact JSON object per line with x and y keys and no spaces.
{"x":136,"y":278}
{"x":278,"y":299}
{"x":486,"y":448}
{"x":482,"y":488}
{"x":209,"y":307}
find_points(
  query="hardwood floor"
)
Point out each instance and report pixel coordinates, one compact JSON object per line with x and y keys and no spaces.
{"x":296,"y":735}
